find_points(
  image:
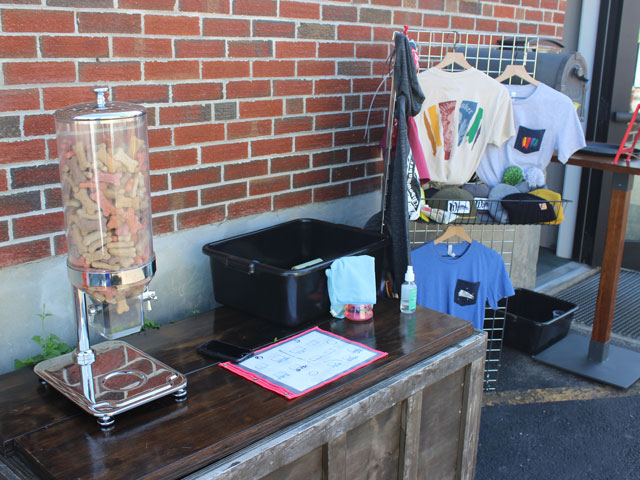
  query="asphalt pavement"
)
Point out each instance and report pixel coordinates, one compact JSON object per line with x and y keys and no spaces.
{"x":543,"y":423}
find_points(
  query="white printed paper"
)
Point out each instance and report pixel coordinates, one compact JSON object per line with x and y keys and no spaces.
{"x":309,"y":360}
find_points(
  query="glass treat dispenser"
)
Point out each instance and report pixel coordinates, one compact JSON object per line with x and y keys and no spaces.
{"x":104,"y":174}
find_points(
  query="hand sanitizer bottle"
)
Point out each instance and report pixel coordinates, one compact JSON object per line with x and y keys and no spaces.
{"x":408,"y":292}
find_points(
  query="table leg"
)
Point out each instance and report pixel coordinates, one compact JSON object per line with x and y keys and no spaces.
{"x":611,"y":262}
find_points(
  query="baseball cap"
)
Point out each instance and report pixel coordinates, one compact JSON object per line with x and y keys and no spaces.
{"x":526,"y":208}
{"x":455,"y":200}
{"x":555,"y":199}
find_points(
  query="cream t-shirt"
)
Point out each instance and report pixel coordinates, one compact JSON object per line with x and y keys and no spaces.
{"x":462,"y":113}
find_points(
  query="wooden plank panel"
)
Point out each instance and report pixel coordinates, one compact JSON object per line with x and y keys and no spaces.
{"x":307,"y":467}
{"x":410,"y":437}
{"x":373,"y":448}
{"x":224,"y":413}
{"x":440,"y":428}
{"x":334,"y":459}
{"x":471,"y":410}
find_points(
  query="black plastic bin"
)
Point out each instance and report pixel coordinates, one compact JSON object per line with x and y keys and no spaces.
{"x":535,"y":321}
{"x":253,"y":272}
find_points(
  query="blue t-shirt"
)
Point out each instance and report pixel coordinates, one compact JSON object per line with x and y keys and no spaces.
{"x":460,"y":285}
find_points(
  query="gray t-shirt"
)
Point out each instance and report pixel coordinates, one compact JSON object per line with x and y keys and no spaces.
{"x":545,"y":121}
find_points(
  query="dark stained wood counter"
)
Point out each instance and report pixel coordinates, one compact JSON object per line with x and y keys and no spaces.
{"x":44,"y":435}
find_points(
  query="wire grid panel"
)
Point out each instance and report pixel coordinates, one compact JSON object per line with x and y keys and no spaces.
{"x":500,"y":238}
{"x":488,"y":52}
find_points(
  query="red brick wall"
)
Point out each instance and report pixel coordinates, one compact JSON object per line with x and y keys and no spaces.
{"x":254,"y":105}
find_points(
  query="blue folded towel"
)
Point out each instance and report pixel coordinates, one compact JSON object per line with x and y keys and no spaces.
{"x":351,"y":280}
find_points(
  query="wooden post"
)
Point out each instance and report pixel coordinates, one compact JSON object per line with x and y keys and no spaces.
{"x":410,"y":437}
{"x":334,"y":459}
{"x":470,"y":427}
{"x":611,"y":262}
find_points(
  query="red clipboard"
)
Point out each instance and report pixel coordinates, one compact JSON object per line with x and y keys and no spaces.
{"x":353,"y":356}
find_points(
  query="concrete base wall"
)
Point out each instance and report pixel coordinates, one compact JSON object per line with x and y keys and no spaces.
{"x":526,"y":245}
{"x":182,"y":282}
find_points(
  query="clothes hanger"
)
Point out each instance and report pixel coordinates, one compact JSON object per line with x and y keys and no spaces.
{"x":454,"y":57}
{"x":517,"y":71}
{"x":454,"y":231}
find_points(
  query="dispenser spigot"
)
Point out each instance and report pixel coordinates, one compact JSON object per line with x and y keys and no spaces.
{"x":147,"y":296}
{"x":93,"y":310}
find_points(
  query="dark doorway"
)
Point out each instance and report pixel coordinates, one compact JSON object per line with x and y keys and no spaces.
{"x":615,"y":90}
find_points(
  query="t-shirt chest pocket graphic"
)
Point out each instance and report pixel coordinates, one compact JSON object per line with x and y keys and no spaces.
{"x":466,"y":293}
{"x":528,"y":140}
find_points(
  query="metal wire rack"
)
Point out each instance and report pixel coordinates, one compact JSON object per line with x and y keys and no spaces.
{"x":500,"y":238}
{"x":489,"y":53}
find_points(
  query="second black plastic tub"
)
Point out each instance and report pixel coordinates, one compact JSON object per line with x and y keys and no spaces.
{"x":263,"y":272}
{"x":535,"y":321}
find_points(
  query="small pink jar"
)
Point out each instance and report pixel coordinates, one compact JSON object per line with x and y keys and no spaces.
{"x":358,"y":312}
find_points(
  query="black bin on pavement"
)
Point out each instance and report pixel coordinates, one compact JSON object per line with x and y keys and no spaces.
{"x":535,"y":321}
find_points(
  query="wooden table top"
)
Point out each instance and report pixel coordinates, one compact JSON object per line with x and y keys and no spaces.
{"x":223,"y":413}
{"x":586,"y":159}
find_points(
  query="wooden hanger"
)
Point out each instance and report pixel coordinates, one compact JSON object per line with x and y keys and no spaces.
{"x":454,"y":57}
{"x":453,"y":231}
{"x":517,"y":71}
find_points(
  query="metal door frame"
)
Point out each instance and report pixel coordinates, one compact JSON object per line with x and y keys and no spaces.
{"x":612,"y":80}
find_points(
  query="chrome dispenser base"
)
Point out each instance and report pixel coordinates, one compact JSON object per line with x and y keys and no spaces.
{"x":123,"y":378}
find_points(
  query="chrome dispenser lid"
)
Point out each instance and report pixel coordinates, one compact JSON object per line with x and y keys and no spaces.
{"x":100,"y":110}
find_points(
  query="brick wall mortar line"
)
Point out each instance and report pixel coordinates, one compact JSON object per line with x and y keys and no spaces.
{"x":34,"y":213}
{"x":14,"y":139}
{"x":196,"y":188}
{"x":31,"y":238}
{"x":35,"y":188}
{"x":110,"y":46}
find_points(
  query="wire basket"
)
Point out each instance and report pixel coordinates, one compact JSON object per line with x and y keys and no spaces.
{"x":483,"y":211}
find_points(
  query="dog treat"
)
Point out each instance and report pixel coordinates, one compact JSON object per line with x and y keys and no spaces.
{"x":107,"y":204}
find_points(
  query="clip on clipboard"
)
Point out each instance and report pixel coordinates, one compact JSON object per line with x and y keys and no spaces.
{"x":304,"y":362}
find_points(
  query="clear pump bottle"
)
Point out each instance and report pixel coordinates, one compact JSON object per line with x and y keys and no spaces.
{"x":408,"y":292}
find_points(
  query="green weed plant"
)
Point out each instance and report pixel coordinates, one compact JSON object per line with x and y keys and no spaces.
{"x":150,"y":325}
{"x":52,"y":345}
